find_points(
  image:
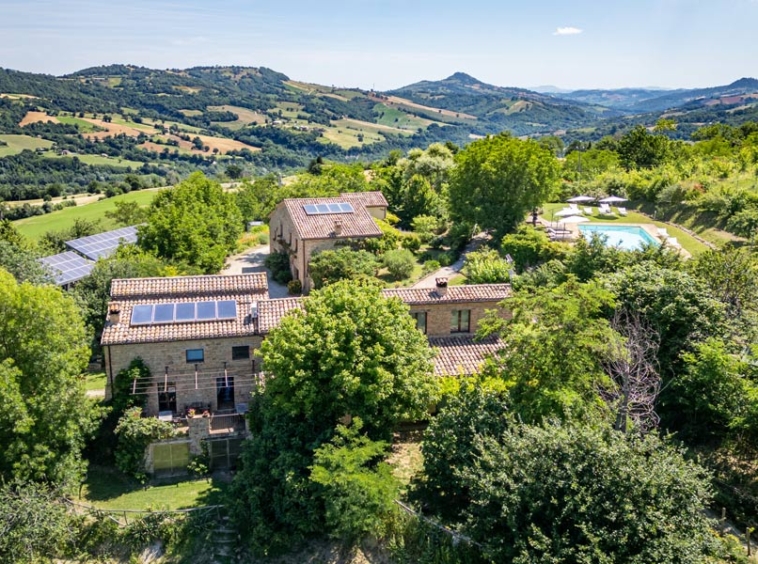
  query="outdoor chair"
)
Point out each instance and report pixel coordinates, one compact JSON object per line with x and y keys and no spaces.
{"x":622,"y":212}
{"x":588,"y":211}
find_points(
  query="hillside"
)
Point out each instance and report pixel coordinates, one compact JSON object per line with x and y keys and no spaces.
{"x":496,"y":108}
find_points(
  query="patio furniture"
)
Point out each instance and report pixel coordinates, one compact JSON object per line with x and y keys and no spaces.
{"x":166,"y":416}
{"x":574,"y":208}
{"x":588,"y":211}
{"x":673,"y":242}
{"x":605,"y":209}
{"x":622,"y":212}
{"x":663,"y":233}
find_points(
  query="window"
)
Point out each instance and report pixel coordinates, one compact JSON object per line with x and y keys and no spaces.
{"x":420,"y":317}
{"x":195,"y":355}
{"x":460,"y":321}
{"x":240,"y":353}
{"x":167,"y":397}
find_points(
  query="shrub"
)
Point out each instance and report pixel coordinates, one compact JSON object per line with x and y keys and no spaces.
{"x":389,"y":240}
{"x":262,"y":238}
{"x":399,"y":263}
{"x":425,"y":226}
{"x":412,"y":242}
{"x":279,"y":265}
{"x":530,"y":247}
{"x":329,"y":266}
{"x":295,"y":287}
{"x":486,"y":267}
{"x":431,"y":265}
{"x":447,"y":258}
{"x":135,"y":433}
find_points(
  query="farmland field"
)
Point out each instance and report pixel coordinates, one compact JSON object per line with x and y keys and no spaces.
{"x":34,"y":117}
{"x":83,"y":125}
{"x":17,"y":143}
{"x":98,"y":160}
{"x":246,"y":116}
{"x":397,"y":118}
{"x":35,"y":227}
{"x":348,"y":137}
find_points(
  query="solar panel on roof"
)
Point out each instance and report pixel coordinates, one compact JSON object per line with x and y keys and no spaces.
{"x":310,"y":209}
{"x":164,"y":313}
{"x":103,"y":244}
{"x":346,"y":208}
{"x":227,"y":309}
{"x":185,"y":311}
{"x":142,"y":315}
{"x":321,"y":209}
{"x":206,"y":310}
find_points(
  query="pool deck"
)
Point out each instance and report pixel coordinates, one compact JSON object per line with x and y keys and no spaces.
{"x":649,"y":228}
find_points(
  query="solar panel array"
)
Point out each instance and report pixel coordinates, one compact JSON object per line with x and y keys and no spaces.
{"x":67,"y":267}
{"x":183,"y":312}
{"x":321,"y":209}
{"x":103,"y":244}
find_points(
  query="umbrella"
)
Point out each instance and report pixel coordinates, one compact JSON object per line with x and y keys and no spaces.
{"x":575,"y":219}
{"x":564,"y":211}
{"x":580,"y":199}
{"x":612,"y":200}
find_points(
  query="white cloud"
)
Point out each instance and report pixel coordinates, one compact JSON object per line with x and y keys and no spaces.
{"x":568,"y":31}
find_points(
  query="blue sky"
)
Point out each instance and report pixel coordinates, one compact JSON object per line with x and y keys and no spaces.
{"x":389,"y":43}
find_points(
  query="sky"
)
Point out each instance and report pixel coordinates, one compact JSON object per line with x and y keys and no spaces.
{"x":385,"y":44}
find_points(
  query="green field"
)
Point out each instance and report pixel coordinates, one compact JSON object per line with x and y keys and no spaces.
{"x":35,"y":227}
{"x":97,"y":160}
{"x":83,"y":125}
{"x":400,"y":119}
{"x":14,"y":144}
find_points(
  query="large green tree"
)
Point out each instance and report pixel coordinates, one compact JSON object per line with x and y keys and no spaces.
{"x":46,"y":416}
{"x":195,"y":222}
{"x":349,"y":353}
{"x":344,"y":263}
{"x":575,"y":494}
{"x":497,"y":180}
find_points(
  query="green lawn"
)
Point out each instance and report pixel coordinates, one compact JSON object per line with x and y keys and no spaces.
{"x":108,"y":488}
{"x":95,"y":381}
{"x":35,"y":227}
{"x":14,"y":144}
{"x":688,"y":242}
{"x":98,"y":160}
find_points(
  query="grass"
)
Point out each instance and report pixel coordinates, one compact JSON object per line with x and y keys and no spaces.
{"x":14,"y":144}
{"x":98,"y":160}
{"x":687,"y":241}
{"x":82,"y":125}
{"x":95,"y":381}
{"x":35,"y":227}
{"x":400,"y":119}
{"x":107,"y":488}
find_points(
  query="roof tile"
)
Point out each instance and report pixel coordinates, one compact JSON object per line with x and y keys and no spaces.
{"x":189,"y":286}
{"x":454,"y":294}
{"x":458,"y":356}
{"x":358,"y":224}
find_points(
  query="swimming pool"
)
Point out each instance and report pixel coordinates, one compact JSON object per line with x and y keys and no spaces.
{"x":626,"y":237}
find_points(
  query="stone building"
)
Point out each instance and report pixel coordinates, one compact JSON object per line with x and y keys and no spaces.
{"x":302,"y":227}
{"x":198,"y":334}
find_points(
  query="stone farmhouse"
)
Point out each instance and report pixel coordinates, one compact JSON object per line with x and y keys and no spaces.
{"x":302,"y":227}
{"x":198,"y":335}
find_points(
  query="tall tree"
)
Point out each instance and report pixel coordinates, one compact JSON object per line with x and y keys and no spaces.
{"x":497,"y":180}
{"x":195,"y":222}
{"x":46,"y":415}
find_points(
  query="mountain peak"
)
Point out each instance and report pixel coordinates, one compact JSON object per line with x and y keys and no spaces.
{"x":464,"y":78}
{"x":745,"y":82}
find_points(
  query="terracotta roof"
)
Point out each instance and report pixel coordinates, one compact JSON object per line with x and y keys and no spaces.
{"x":244,"y":289}
{"x":189,"y":286}
{"x":368,"y":199}
{"x":125,"y":333}
{"x":458,"y":356}
{"x":454,"y":294}
{"x":270,"y":312}
{"x":358,"y":224}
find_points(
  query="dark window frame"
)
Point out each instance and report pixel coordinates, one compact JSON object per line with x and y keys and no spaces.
{"x":456,"y":321}
{"x":194,"y":361}
{"x":236,"y":352}
{"x":417,"y":316}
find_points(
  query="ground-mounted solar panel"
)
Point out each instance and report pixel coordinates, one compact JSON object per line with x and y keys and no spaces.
{"x":103,"y":244}
{"x":66,"y":268}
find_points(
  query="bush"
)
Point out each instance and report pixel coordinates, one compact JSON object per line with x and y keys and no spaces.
{"x":412,"y":242}
{"x":262,"y":238}
{"x":431,"y":265}
{"x":399,"y":263}
{"x":135,"y":433}
{"x":389,"y":240}
{"x":530,"y":247}
{"x":327,"y":267}
{"x":446,"y":259}
{"x":425,"y":226}
{"x":279,"y":265}
{"x":295,"y":287}
{"x":486,"y":267}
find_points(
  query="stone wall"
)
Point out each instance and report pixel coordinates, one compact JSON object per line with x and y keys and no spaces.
{"x":438,"y":316}
{"x":172,"y":355}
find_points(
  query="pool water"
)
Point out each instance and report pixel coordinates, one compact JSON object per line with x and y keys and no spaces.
{"x":626,"y":237}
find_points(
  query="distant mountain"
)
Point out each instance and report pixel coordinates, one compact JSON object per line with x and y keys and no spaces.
{"x":549,"y":89}
{"x":495,"y":108}
{"x":699,"y":97}
{"x":620,"y":99}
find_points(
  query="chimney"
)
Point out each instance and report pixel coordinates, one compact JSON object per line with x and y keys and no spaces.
{"x":441,"y":286}
{"x":337,"y":227}
{"x":114,"y":315}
